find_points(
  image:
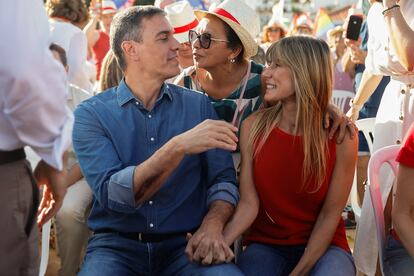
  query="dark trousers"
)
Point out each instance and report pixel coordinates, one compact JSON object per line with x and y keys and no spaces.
{"x":19,"y":234}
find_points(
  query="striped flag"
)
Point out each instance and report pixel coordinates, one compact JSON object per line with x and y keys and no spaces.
{"x":323,"y":23}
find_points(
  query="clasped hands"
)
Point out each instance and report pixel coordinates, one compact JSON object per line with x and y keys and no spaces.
{"x":207,"y":246}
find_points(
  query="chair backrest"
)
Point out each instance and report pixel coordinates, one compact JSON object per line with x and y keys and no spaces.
{"x":381,"y":156}
{"x":341,"y":97}
{"x":367,"y":127}
{"x":44,"y":259}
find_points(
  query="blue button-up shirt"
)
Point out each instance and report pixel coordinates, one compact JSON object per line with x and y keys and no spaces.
{"x":113,"y":133}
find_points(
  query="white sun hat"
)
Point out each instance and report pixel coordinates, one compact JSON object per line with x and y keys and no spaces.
{"x":108,"y":7}
{"x":182,"y":19}
{"x":242,"y":19}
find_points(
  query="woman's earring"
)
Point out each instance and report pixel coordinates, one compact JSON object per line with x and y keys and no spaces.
{"x":232,"y":60}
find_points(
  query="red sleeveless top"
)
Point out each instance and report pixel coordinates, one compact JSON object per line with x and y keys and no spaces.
{"x":99,"y":50}
{"x":288,"y":214}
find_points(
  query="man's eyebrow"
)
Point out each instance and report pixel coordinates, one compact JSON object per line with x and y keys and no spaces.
{"x":166,"y":32}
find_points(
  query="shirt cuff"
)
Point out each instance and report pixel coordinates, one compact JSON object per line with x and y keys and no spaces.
{"x":120,"y":190}
{"x":223,"y":191}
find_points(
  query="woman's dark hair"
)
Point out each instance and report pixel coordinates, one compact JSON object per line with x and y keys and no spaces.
{"x":61,"y":52}
{"x":73,"y":10}
{"x":234,"y":41}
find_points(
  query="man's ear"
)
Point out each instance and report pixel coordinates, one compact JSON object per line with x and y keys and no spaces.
{"x":131,"y":50}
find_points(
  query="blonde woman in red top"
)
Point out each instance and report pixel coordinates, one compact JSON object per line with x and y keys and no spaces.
{"x":293,"y":177}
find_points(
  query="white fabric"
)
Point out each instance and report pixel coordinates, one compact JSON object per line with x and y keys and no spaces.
{"x":32,"y":84}
{"x":74,"y":41}
{"x":395,"y":114}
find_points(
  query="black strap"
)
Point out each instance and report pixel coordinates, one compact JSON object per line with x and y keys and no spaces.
{"x":11,"y":156}
{"x":31,"y":222}
{"x":145,"y":237}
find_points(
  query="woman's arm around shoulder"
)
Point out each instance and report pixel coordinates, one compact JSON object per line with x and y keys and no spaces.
{"x":248,"y":205}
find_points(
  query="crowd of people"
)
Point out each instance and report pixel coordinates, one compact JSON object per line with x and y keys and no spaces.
{"x":166,"y":135}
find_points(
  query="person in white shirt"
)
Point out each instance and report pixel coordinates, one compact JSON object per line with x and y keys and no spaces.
{"x":64,"y":16}
{"x":390,"y":53}
{"x":71,"y":229}
{"x":30,"y":117}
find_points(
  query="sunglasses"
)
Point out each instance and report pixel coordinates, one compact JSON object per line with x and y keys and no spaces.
{"x":205,"y":39}
{"x":274,"y":29}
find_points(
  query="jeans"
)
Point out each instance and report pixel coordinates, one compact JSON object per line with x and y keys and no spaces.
{"x":111,"y":254}
{"x":262,"y":259}
{"x":397,"y":261}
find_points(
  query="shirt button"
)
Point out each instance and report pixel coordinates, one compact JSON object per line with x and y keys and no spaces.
{"x":151,"y":225}
{"x":137,"y":103}
{"x":398,"y":142}
{"x":152,"y":139}
{"x":403,"y":91}
{"x":401,"y":118}
{"x":150,"y":202}
{"x":149,"y":116}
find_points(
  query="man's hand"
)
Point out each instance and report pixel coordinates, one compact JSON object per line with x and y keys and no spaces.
{"x":207,"y":246}
{"x":53,"y":192}
{"x":340,"y":125}
{"x":208,"y":135}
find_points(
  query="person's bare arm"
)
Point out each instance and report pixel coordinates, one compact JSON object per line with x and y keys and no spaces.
{"x":248,"y":205}
{"x":403,"y":208}
{"x":90,"y":31}
{"x":401,"y":35}
{"x":330,"y":214}
{"x":369,"y":82}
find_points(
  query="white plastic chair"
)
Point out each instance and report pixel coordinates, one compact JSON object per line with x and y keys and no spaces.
{"x":381,"y":156}
{"x":44,"y":259}
{"x":340,"y":98}
{"x":367,"y":127}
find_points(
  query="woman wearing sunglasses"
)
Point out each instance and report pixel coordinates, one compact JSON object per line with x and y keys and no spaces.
{"x":222,"y":46}
{"x":272,"y":32}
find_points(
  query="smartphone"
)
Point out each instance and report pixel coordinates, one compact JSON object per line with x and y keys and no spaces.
{"x":354,"y":27}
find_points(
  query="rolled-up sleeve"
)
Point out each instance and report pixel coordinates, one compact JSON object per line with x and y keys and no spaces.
{"x":110,"y":180}
{"x":121,"y":190}
{"x":223,"y":191}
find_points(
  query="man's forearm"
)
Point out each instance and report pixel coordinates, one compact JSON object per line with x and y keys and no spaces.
{"x":151,"y":174}
{"x":219,"y":214}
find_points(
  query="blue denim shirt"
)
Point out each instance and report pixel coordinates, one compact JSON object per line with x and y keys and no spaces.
{"x":113,"y":133}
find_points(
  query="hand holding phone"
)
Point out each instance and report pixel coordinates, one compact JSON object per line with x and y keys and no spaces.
{"x":354,"y":27}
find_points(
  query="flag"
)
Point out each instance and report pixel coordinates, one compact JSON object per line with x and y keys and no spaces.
{"x":323,"y":23}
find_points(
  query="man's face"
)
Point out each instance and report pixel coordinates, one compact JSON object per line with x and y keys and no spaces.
{"x":158,"y":49}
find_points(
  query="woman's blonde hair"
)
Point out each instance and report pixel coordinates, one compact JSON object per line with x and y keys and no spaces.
{"x":73,"y":10}
{"x":111,"y":74}
{"x":310,"y":63}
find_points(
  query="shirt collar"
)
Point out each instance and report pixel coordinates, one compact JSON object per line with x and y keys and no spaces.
{"x":125,"y":95}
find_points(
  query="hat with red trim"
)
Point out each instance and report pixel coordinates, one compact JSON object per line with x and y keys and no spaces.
{"x":108,"y":7}
{"x":181,"y":17}
{"x":242,"y":19}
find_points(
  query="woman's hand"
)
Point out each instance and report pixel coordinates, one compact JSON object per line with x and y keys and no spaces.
{"x":341,"y":124}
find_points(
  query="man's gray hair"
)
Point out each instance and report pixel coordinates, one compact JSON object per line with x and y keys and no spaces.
{"x":127,"y":25}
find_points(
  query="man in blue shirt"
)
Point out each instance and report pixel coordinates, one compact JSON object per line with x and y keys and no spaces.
{"x":158,"y":162}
